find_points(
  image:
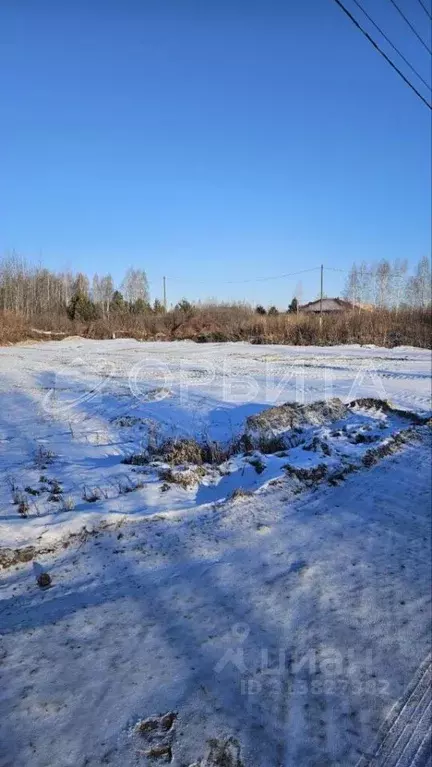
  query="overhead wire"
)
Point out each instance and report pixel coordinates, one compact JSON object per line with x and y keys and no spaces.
{"x":412,"y":28}
{"x":359,"y":5}
{"x":377,"y":47}
{"x":242,"y":282}
{"x":425,"y":9}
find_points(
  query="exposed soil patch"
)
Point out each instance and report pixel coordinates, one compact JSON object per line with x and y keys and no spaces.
{"x":294,"y":415}
{"x":392,"y":445}
{"x":186,"y":478}
{"x":157,"y":732}
{"x":223,"y":753}
{"x":338,"y":434}
{"x":240,"y":493}
{"x":368,"y":403}
{"x":153,"y":395}
{"x":127,"y":421}
{"x":316,"y":474}
{"x":10,"y":557}
{"x":318,"y":445}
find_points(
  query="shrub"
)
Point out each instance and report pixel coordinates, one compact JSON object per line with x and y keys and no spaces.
{"x":184,"y":306}
{"x":82,"y":308}
{"x":20,"y":500}
{"x":91,"y":495}
{"x":43,"y":457}
{"x":206,"y":322}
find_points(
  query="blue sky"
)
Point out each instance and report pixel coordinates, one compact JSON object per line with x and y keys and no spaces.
{"x":210,"y":141}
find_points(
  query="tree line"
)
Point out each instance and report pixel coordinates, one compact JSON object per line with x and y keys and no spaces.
{"x":36,"y":292}
{"x":389,"y":285}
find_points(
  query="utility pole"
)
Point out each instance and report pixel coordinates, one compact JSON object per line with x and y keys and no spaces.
{"x":164,"y":294}
{"x":321,"y":293}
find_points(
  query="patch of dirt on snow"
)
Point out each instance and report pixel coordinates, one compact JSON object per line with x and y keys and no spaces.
{"x":371,"y":403}
{"x":127,"y":421}
{"x":222,"y":753}
{"x":314,"y":475}
{"x":157,"y":732}
{"x":154,"y":395}
{"x":10,"y":557}
{"x":240,"y":492}
{"x":392,"y":445}
{"x":293,"y":415}
{"x":186,"y":478}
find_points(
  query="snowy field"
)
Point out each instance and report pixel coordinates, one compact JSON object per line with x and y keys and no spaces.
{"x":260,"y":576}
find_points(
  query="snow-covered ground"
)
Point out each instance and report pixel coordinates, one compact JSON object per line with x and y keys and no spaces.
{"x":284,"y":621}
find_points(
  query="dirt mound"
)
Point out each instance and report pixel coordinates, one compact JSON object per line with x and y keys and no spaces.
{"x":293,"y":415}
{"x":371,"y":403}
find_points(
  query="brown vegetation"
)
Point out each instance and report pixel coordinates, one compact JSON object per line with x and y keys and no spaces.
{"x":218,"y":323}
{"x":37,"y":304}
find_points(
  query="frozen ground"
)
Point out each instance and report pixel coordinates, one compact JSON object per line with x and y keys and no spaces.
{"x":289,"y":619}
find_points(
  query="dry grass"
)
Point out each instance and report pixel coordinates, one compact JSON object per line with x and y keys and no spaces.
{"x":313,"y":475}
{"x":237,"y":322}
{"x":178,"y":452}
{"x":185,"y":478}
{"x":240,"y":493}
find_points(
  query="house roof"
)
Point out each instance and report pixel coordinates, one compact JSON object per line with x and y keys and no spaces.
{"x":328,"y":304}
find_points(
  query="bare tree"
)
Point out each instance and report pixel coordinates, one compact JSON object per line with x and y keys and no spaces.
{"x":298,"y":293}
{"x":365,"y":283}
{"x":106,"y":290}
{"x":81,"y":284}
{"x":67,"y":282}
{"x":96,"y":289}
{"x":352,"y":287}
{"x":398,"y":283}
{"x":135,"y":285}
{"x":424,"y":281}
{"x":382,"y":283}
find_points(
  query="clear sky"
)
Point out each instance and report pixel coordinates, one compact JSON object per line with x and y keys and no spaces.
{"x":211,"y":140}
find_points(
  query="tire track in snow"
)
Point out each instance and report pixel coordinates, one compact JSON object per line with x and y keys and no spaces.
{"x":338,"y":374}
{"x":405,"y":738}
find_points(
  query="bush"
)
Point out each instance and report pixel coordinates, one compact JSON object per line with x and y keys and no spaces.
{"x":184,"y":306}
{"x":140,"y":306}
{"x":82,"y":308}
{"x":211,"y":322}
{"x":13,"y":328}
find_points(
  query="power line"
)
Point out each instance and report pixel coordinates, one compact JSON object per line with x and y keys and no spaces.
{"x":276,"y":277}
{"x":413,"y":29}
{"x":242,"y":282}
{"x":376,"y":46}
{"x":425,"y":9}
{"x":392,"y":45}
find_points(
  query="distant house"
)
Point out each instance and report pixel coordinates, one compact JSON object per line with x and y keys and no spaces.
{"x":329,"y":306}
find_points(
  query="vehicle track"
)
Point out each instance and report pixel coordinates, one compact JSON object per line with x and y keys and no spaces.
{"x":405,"y":738}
